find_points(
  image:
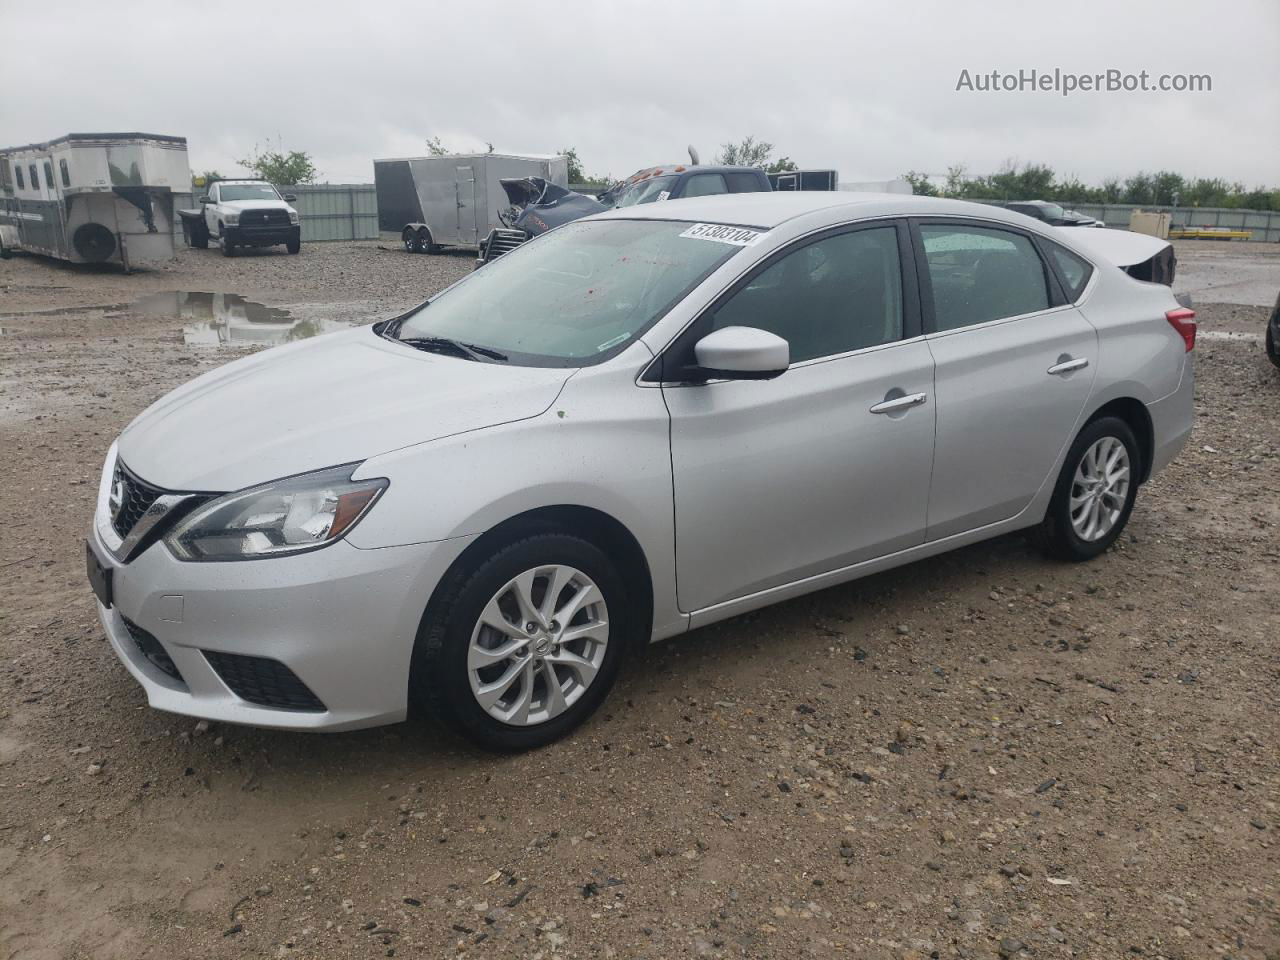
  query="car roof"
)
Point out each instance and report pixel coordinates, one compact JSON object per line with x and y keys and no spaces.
{"x":768,"y":210}
{"x":246,"y":180}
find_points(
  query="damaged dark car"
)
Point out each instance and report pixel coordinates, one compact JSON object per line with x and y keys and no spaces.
{"x":536,"y":206}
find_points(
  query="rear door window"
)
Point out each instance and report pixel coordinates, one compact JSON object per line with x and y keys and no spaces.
{"x":742,"y":182}
{"x":704,"y":185}
{"x":980,"y":274}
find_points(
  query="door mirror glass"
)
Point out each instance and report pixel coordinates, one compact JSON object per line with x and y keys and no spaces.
{"x":742,"y":353}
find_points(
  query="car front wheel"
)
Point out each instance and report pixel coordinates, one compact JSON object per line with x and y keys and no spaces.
{"x":1095,"y":491}
{"x":522,"y":648}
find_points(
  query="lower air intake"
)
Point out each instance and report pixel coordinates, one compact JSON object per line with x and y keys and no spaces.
{"x":267,"y":683}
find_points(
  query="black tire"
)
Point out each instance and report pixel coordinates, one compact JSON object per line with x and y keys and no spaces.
{"x":5,"y":252}
{"x":293,"y":246}
{"x":1273,"y":349}
{"x":94,"y":243}
{"x":438,"y":680}
{"x":1057,"y":535}
{"x":225,"y":242}
{"x":410,"y":240}
{"x":425,"y":243}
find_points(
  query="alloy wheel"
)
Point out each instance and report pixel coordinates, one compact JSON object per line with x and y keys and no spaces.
{"x":538,"y":645}
{"x":1100,"y":489}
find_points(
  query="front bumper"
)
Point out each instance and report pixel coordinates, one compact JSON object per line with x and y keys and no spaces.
{"x":342,"y":619}
{"x":251,"y":236}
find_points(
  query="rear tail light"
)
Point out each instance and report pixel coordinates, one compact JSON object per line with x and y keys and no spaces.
{"x":1184,"y":321}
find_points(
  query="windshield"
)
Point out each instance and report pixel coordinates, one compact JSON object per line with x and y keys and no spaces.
{"x":247,"y":191}
{"x":1053,"y":210}
{"x":646,"y":191}
{"x":571,"y":296}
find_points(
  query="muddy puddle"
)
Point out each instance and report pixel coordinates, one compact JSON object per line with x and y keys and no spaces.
{"x":215,"y":319}
{"x":228,"y":319}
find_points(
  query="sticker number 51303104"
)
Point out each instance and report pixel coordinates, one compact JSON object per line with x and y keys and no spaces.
{"x":720,"y":233}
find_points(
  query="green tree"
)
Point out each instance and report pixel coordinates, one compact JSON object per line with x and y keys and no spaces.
{"x":781,"y":165}
{"x":957,"y":174}
{"x":435,"y":148}
{"x":207,"y":178}
{"x":576,"y":174}
{"x":283,"y":169}
{"x":920,"y":184}
{"x":749,"y":153}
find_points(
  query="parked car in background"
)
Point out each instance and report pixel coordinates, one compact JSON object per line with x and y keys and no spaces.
{"x":674,"y":181}
{"x":1053,"y":214}
{"x":243,"y":213}
{"x":535,"y":210}
{"x":1273,"y":334}
{"x":637,"y":424}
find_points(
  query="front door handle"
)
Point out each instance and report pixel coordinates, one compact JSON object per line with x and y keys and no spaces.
{"x":900,"y":403}
{"x":1066,"y":366}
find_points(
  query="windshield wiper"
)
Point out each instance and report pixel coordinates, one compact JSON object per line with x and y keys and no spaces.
{"x":465,"y":350}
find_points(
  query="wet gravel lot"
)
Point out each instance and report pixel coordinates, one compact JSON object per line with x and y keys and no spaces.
{"x":982,"y":755}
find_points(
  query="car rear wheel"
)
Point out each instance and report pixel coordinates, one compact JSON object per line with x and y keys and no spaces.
{"x":1095,"y":491}
{"x":1273,"y":348}
{"x":522,"y":648}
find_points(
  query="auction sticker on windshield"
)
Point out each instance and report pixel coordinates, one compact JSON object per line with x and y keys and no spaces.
{"x":720,"y":233}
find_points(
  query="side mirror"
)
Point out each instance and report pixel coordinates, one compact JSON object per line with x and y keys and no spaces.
{"x":205,"y":199}
{"x":290,"y":198}
{"x":742,"y":353}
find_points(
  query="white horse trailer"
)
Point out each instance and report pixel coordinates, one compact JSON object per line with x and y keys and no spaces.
{"x":93,"y":197}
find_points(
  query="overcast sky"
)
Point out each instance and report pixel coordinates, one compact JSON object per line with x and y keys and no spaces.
{"x":868,"y":88}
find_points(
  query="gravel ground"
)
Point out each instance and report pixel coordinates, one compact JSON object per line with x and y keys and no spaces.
{"x":981,"y":755}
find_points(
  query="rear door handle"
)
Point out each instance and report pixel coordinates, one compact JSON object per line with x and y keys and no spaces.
{"x":900,"y":403}
{"x":1066,"y":366}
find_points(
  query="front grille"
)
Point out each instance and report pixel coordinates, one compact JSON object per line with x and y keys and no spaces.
{"x":135,"y":498}
{"x":153,"y":651}
{"x":503,"y":241}
{"x":268,"y":683}
{"x":264,"y":218}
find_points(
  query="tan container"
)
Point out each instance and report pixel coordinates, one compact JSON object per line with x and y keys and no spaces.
{"x":1152,"y":224}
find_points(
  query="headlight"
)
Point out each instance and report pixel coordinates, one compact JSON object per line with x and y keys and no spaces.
{"x":288,"y":516}
{"x":231,"y":218}
{"x":293,"y":216}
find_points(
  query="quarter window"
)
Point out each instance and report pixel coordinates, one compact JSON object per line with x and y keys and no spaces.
{"x":66,"y":174}
{"x":838,"y":294}
{"x":1075,"y":271}
{"x":704,"y":185}
{"x":978,"y":274}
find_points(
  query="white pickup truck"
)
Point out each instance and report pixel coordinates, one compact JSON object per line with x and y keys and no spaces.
{"x":243,"y":213}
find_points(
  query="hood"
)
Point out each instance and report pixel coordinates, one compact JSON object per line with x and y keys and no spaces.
{"x":335,"y":399}
{"x":255,"y":204}
{"x":537,"y":205}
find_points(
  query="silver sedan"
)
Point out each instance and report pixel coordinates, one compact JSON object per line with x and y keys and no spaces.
{"x":635,"y":425}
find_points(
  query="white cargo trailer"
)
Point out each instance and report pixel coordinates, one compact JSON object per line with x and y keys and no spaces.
{"x":93,"y":197}
{"x":453,"y":201}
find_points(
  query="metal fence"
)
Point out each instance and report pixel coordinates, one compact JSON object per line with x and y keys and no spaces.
{"x":1263,"y":225}
{"x":329,"y":211}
